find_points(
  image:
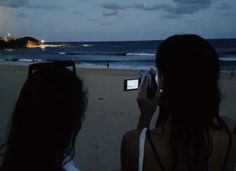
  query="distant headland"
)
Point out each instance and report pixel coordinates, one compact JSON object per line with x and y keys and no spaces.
{"x":24,"y":42}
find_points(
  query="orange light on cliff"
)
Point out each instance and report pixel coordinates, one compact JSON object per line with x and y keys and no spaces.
{"x":31,"y":44}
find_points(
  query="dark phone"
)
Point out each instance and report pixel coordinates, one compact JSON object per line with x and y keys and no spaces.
{"x":152,"y":86}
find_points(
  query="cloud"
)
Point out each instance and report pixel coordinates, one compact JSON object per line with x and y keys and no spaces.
{"x":109,"y":13}
{"x":78,"y":12}
{"x":45,"y":7}
{"x":23,"y":15}
{"x":92,"y":19}
{"x":113,"y":6}
{"x":225,"y":6}
{"x":148,"y":8}
{"x":193,"y":1}
{"x":185,"y":8}
{"x":177,"y":8}
{"x":172,"y":16}
{"x":26,"y":4}
{"x":105,"y":24}
{"x":14,"y":3}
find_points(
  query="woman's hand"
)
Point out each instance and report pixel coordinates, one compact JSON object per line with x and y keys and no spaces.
{"x":147,"y":106}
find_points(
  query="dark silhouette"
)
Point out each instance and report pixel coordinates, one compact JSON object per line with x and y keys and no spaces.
{"x":232,"y":74}
{"x":17,"y":43}
{"x":46,"y":119}
{"x":189,"y":129}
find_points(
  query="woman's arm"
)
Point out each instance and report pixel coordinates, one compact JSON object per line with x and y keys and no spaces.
{"x":233,"y":151}
{"x":147,"y":106}
{"x":129,"y":151}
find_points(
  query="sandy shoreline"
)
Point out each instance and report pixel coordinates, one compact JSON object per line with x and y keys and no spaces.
{"x":110,"y":113}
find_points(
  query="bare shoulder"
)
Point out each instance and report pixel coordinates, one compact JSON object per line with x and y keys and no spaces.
{"x":232,"y":127}
{"x":230,"y":123}
{"x":130,"y":139}
{"x":133,"y":134}
{"x":129,"y":150}
{"x":234,"y":144}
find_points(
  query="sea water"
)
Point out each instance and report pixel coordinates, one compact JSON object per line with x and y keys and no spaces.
{"x":121,"y":54}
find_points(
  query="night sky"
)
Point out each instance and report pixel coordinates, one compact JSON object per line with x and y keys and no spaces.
{"x":114,"y":20}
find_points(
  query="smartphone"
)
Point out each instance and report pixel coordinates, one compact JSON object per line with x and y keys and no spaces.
{"x":131,"y":84}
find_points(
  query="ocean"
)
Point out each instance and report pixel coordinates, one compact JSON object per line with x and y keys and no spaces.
{"x":120,"y":54}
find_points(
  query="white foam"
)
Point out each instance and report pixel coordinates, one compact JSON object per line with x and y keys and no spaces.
{"x":25,"y":60}
{"x":87,"y":45}
{"x":230,"y":58}
{"x":140,"y":54}
{"x":113,"y":66}
{"x":29,"y":60}
{"x":9,"y":50}
{"x":62,"y":53}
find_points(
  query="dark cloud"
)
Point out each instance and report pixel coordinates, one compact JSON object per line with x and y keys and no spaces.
{"x":22,"y":15}
{"x":105,"y":24}
{"x":185,"y":8}
{"x":116,"y":7}
{"x":78,"y":12}
{"x":14,"y":3}
{"x":193,"y":1}
{"x":26,"y":4}
{"x":172,"y":16}
{"x":148,"y":8}
{"x":179,"y":7}
{"x":225,"y":6}
{"x":45,"y":7}
{"x":109,"y":13}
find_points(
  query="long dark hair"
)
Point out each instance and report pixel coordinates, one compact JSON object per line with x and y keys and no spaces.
{"x":189,"y":66}
{"x":46,"y":120}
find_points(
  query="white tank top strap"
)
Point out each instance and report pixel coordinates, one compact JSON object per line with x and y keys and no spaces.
{"x":142,"y":138}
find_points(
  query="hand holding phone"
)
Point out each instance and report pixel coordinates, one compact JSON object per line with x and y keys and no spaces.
{"x":152,"y":84}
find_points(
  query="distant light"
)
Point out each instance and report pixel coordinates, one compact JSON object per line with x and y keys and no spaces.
{"x":8,"y":34}
{"x":42,"y":41}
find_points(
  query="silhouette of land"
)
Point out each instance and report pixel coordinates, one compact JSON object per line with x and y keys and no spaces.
{"x":24,"y":42}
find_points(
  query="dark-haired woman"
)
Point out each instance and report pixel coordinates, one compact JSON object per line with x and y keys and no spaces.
{"x":190,"y":135}
{"x":46,"y":120}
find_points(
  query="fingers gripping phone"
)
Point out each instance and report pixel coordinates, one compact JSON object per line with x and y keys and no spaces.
{"x":133,"y":84}
{"x":152,"y":85}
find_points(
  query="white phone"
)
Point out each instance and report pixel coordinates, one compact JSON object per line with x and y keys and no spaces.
{"x":131,"y":84}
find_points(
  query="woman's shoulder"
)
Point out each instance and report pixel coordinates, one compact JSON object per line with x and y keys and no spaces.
{"x":230,"y":122}
{"x":226,"y":139}
{"x":131,"y":138}
{"x":129,"y":150}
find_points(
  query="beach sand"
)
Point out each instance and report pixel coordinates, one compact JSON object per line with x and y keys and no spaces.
{"x":111,"y":112}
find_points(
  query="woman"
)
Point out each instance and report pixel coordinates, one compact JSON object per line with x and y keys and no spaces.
{"x":46,"y":120}
{"x":190,"y":135}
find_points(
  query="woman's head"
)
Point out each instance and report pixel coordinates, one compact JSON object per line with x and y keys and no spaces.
{"x":189,"y":67}
{"x":48,"y":113}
